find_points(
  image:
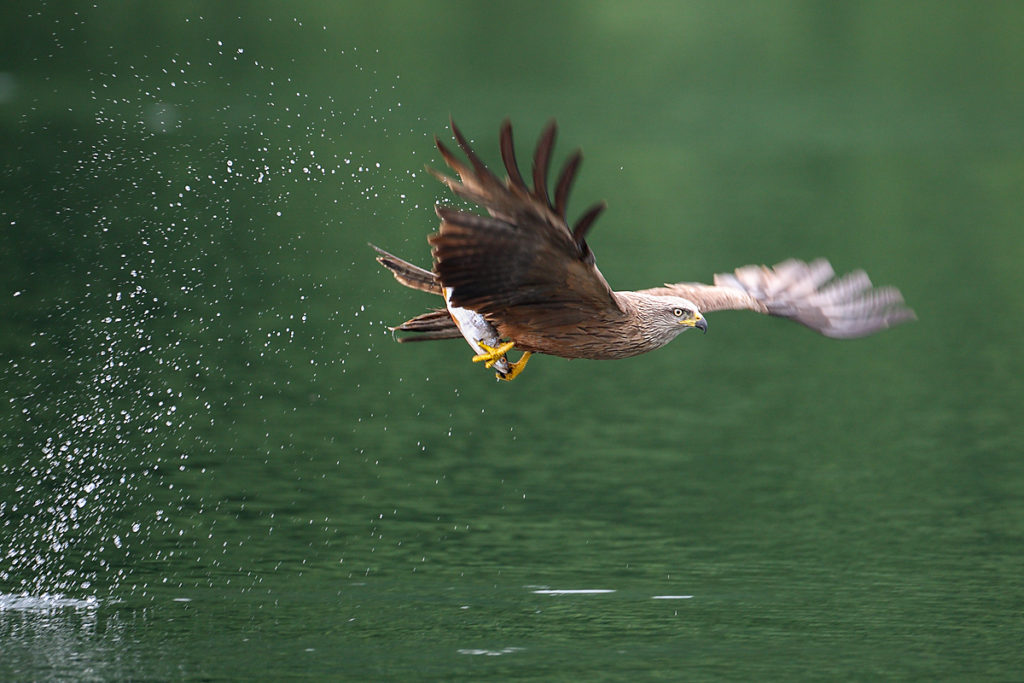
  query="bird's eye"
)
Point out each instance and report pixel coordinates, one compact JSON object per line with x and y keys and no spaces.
{"x":677,"y":312}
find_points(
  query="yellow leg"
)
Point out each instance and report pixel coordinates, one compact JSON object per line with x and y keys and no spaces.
{"x":515,"y":368}
{"x":494,"y":353}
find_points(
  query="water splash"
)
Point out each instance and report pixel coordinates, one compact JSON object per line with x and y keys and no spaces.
{"x":114,"y":372}
{"x":23,"y":602}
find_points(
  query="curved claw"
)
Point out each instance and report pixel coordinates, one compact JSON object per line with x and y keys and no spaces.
{"x":515,"y":368}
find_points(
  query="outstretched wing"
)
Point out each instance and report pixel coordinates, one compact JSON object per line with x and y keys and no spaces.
{"x":843,"y":308}
{"x":523,"y":267}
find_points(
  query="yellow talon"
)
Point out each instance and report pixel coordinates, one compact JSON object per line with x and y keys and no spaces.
{"x":494,"y":353}
{"x":515,"y":368}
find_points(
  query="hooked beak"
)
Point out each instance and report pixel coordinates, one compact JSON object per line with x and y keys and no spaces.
{"x":697,"y":321}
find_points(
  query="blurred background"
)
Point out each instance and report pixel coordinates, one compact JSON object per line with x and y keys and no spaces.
{"x":216,"y":463}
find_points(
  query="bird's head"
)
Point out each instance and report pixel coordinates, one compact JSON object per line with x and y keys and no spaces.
{"x":673,"y":315}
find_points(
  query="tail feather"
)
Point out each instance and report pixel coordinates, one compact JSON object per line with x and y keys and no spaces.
{"x":409,"y":275}
{"x":428,"y":326}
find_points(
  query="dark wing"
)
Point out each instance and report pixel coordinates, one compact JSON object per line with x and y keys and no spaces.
{"x":843,"y":308}
{"x":522,"y":267}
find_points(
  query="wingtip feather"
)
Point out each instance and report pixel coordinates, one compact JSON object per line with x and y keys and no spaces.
{"x":542,"y":161}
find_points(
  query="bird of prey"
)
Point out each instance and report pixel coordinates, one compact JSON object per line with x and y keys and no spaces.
{"x":522,"y":278}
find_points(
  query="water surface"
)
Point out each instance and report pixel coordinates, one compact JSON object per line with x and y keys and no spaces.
{"x":217,"y":464}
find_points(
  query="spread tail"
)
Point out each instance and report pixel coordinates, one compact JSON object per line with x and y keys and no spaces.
{"x":428,"y":326}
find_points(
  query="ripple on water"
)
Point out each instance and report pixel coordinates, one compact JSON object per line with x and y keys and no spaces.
{"x":489,"y":653}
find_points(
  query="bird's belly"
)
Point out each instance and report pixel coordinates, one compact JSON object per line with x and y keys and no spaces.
{"x":586,"y":342}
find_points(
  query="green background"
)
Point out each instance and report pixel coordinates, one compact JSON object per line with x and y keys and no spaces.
{"x":216,"y":464}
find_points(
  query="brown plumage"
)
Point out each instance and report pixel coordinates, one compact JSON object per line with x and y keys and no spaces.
{"x":529,"y":277}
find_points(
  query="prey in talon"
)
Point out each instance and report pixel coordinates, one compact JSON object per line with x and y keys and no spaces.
{"x":481,"y":337}
{"x":452,"y":321}
{"x":521,"y":277}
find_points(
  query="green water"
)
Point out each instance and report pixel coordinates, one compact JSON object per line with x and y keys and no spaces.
{"x":216,"y":464}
